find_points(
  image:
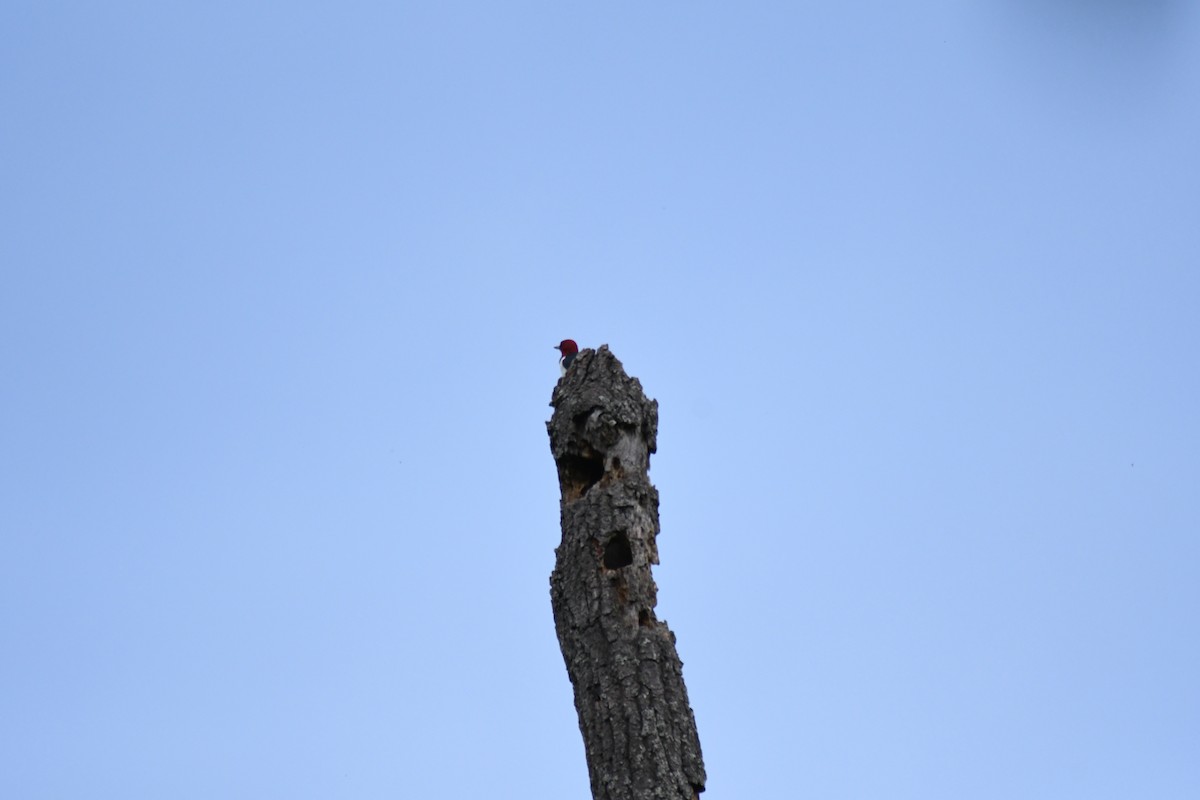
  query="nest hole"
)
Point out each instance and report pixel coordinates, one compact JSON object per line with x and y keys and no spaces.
{"x":617,"y":551}
{"x":578,"y":473}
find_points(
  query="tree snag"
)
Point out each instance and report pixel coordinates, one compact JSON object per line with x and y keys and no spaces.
{"x":638,"y":729}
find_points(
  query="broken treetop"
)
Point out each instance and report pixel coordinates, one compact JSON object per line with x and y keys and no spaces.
{"x":594,"y":404}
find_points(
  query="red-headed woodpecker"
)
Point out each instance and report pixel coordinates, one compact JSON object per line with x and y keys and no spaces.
{"x":569,"y":350}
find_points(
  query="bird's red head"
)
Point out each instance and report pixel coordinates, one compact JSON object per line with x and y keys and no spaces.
{"x":567,"y":347}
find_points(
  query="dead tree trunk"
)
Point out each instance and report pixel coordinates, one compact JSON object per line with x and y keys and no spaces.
{"x":638,"y":729}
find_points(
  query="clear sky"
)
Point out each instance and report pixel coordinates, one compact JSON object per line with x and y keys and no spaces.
{"x":917,"y":287}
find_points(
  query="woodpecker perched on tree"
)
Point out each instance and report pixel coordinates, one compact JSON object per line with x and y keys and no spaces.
{"x":569,"y":350}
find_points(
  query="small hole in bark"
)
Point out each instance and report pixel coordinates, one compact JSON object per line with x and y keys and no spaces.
{"x":617,"y":552}
{"x":616,"y":471}
{"x":578,"y":473}
{"x":644,"y":618}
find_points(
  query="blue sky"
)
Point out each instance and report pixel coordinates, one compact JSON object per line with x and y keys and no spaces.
{"x":915,"y":286}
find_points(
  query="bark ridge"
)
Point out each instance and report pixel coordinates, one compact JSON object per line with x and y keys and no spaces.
{"x":638,"y":728}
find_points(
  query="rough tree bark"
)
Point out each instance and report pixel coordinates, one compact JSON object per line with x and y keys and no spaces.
{"x":638,"y":728}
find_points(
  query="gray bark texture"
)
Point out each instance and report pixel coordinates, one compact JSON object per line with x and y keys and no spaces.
{"x":638,"y":728}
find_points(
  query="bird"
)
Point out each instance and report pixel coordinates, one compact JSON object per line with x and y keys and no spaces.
{"x":569,"y":350}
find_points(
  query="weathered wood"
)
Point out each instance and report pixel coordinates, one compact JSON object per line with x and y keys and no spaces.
{"x":638,"y":728}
